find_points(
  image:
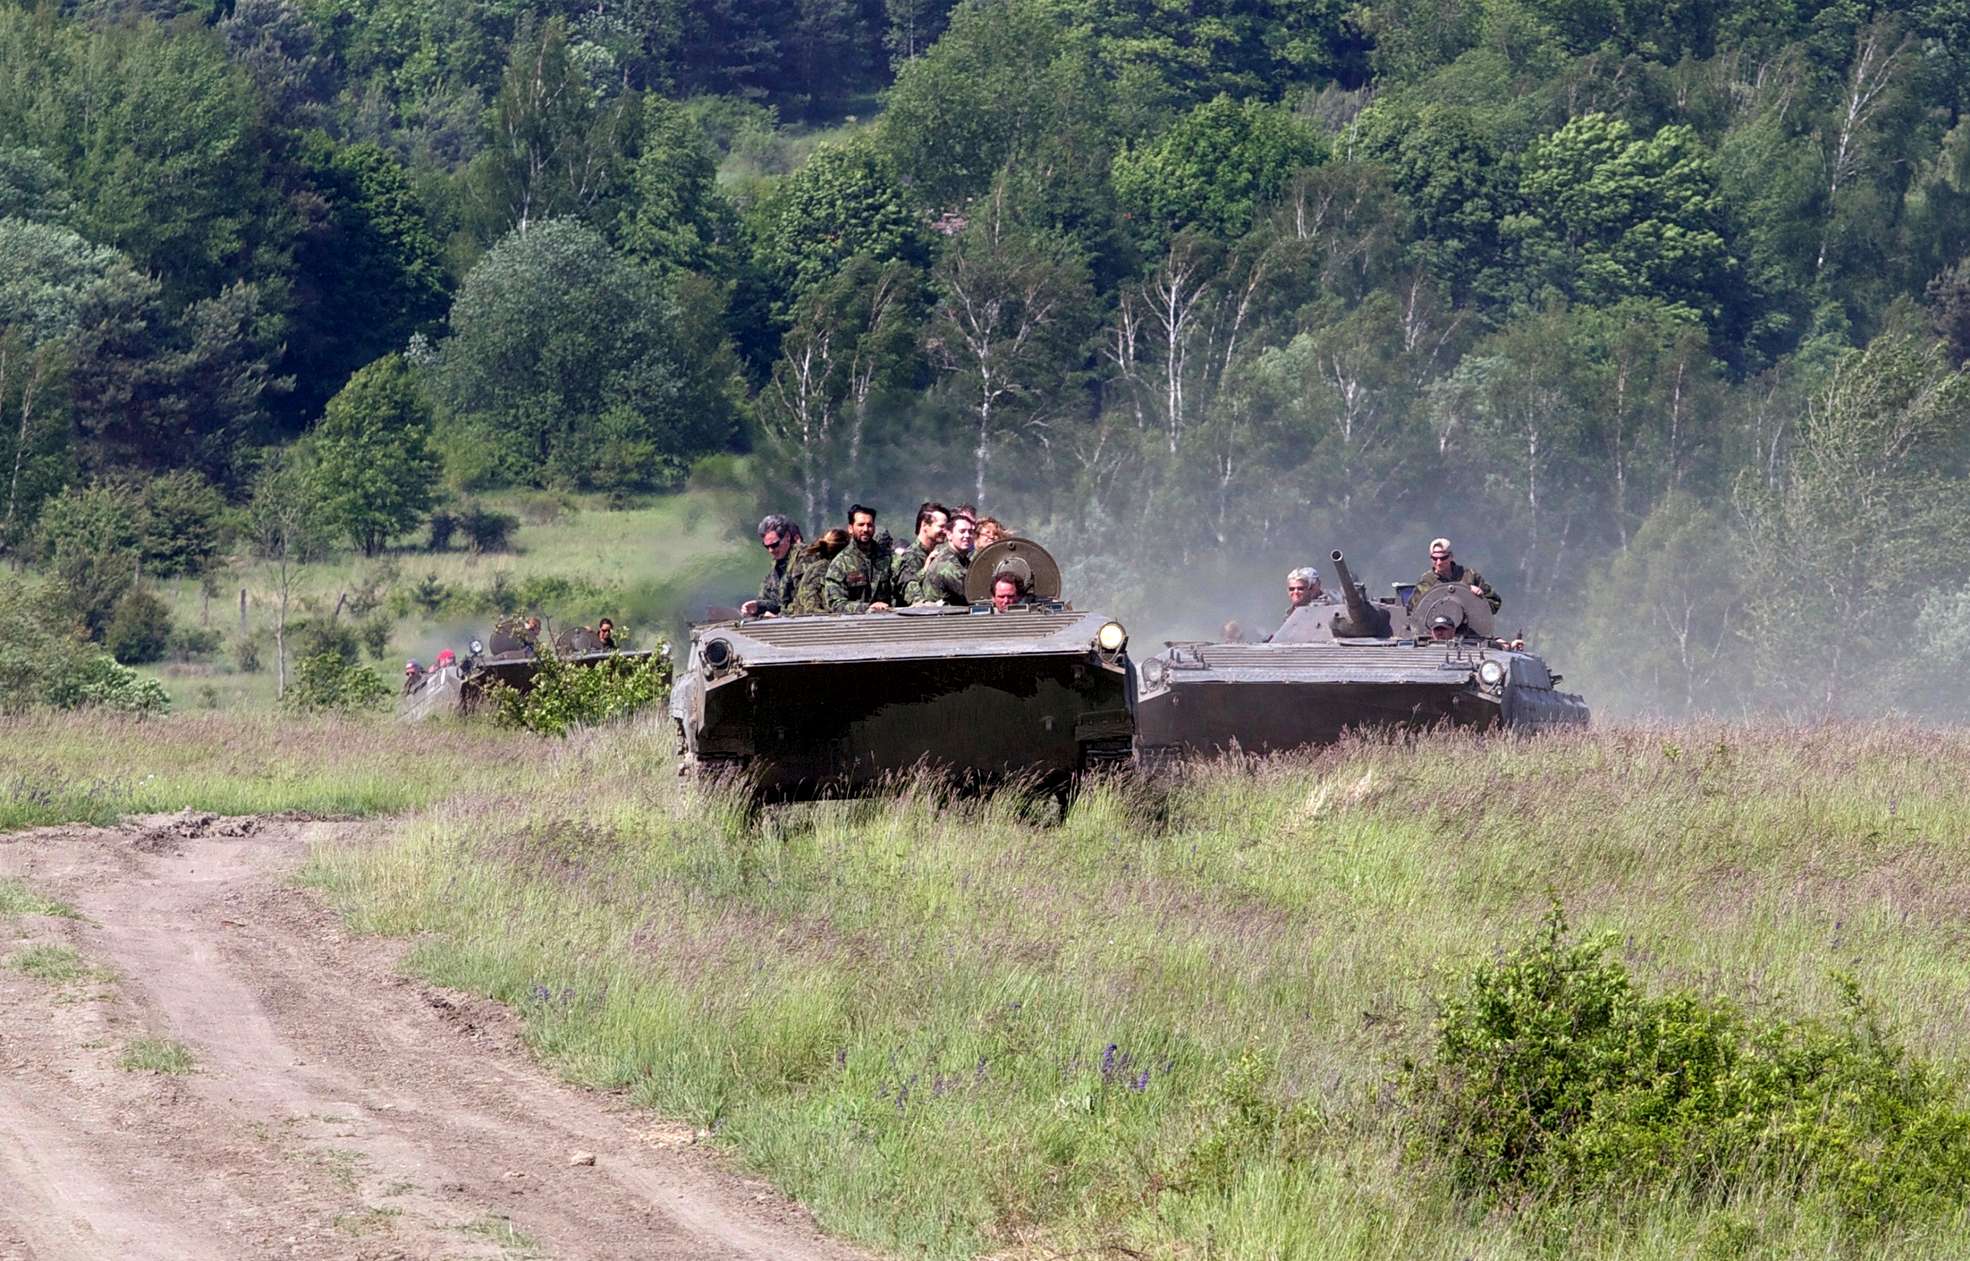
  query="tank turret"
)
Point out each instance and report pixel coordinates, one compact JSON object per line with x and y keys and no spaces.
{"x":1362,"y":620}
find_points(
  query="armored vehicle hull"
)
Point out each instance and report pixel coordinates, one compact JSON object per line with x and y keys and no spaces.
{"x":808,"y":707}
{"x":1263,"y":698}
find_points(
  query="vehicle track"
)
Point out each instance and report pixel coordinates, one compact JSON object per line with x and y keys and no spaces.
{"x":336,"y":1109}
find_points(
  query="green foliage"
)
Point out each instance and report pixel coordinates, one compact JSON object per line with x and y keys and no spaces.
{"x":558,"y":149}
{"x":1554,"y":1079}
{"x":159,"y":136}
{"x":373,"y":458}
{"x":246,"y":654}
{"x":844,"y":201}
{"x":56,"y":291}
{"x":564,"y":696}
{"x":1609,"y":216}
{"x":195,"y":643}
{"x":1214,"y":168}
{"x":182,"y":524}
{"x":327,"y":637}
{"x":1866,"y":507}
{"x":92,"y":538}
{"x":45,"y":659}
{"x":562,"y":350}
{"x":1242,"y":1122}
{"x":32,"y":188}
{"x":330,"y":682}
{"x":139,"y":632}
{"x":442,"y":527}
{"x":1659,"y":622}
{"x":376,"y":272}
{"x":984,"y":93}
{"x":487,"y":529}
{"x":678,"y":220}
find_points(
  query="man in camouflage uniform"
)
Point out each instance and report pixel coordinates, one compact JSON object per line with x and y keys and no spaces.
{"x":859,"y":578}
{"x":1444,"y":568}
{"x":931,"y":520}
{"x":942,"y":579}
{"x":781,"y":539}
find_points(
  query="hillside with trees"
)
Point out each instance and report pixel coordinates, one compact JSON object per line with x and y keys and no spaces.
{"x":1660,"y":310}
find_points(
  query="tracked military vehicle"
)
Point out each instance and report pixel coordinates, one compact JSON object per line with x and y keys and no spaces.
{"x":1401,"y":661}
{"x":831,"y":704}
{"x":511,"y":657}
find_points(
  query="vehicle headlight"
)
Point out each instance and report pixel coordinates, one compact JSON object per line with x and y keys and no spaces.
{"x":1153,"y":671}
{"x":717,"y":653}
{"x":1111,"y":637}
{"x":1491,"y":673}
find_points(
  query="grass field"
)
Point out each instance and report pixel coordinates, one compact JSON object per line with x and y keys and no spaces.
{"x":96,"y":767}
{"x":646,"y":565}
{"x":1167,"y":1026}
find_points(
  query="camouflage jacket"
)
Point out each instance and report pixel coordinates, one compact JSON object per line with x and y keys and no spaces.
{"x":776,"y":590}
{"x":942,"y":579}
{"x":856,"y":579}
{"x":812,"y":571}
{"x":1459,"y":573}
{"x":909,"y":563}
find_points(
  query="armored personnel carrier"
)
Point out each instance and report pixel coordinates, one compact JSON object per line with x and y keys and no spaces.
{"x":511,"y":657}
{"x":828,"y":705}
{"x":1393,"y":662}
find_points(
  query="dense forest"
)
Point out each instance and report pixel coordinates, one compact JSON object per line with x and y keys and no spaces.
{"x":1657,"y":307}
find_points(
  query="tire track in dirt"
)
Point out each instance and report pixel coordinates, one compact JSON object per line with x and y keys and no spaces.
{"x":337,"y":1109}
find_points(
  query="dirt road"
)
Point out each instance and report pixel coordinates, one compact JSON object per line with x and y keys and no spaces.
{"x":334,"y":1108}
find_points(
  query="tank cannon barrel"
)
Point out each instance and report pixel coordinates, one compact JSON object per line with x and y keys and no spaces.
{"x":1364,"y":621}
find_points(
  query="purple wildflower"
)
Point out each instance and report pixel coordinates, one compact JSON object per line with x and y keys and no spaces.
{"x":1142,"y":1080}
{"x":1108,"y":1062}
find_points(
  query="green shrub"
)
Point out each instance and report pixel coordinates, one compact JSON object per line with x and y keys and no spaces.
{"x":1243,"y":1124}
{"x":190,"y":643}
{"x":181,"y":522}
{"x":429,"y":595}
{"x":374,"y":632}
{"x":444,"y":527}
{"x":326,"y":636}
{"x":1555,"y":1080}
{"x":246,"y":654}
{"x":139,"y":631}
{"x":45,"y":659}
{"x":92,"y":536}
{"x":565,"y":696}
{"x":330,"y":682}
{"x":98,"y":681}
{"x":487,"y":529}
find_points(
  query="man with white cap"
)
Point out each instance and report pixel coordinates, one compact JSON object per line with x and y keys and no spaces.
{"x":1444,"y":568}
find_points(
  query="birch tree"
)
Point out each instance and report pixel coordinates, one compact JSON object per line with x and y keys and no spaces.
{"x":1007,"y":329}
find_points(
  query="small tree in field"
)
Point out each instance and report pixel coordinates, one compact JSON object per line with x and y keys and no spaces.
{"x":373,"y":458}
{"x":283,"y":516}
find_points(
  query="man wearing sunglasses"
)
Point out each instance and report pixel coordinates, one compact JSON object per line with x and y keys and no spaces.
{"x":781,"y":539}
